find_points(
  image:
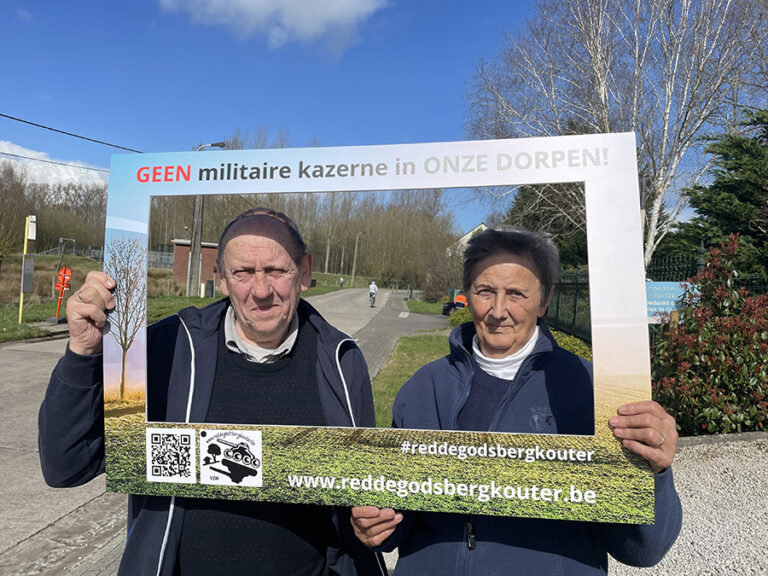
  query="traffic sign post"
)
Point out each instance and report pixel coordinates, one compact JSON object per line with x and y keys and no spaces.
{"x":30,"y":233}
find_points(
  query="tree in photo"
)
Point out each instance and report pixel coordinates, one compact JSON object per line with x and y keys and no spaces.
{"x":557,"y":209}
{"x":125,"y":264}
{"x":672,"y":71}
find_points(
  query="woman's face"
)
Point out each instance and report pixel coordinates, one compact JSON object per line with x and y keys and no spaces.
{"x":505,"y":302}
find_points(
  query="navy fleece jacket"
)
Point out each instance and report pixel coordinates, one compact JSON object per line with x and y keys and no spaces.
{"x":181,"y":363}
{"x":551,"y":394}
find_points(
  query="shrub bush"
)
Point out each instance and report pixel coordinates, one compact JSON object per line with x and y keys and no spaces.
{"x":460,"y":316}
{"x":573,"y":344}
{"x":709,"y":369}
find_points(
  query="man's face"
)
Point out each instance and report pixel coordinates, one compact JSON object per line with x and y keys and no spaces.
{"x":262,"y":281}
{"x":505,"y":302}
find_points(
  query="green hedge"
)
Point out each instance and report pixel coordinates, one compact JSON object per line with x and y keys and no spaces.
{"x":710,"y":368}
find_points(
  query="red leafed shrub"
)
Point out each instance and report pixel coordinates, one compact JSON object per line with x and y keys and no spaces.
{"x":710,"y":370}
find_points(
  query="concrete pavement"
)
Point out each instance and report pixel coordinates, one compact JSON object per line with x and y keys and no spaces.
{"x":80,"y":531}
{"x":45,"y":530}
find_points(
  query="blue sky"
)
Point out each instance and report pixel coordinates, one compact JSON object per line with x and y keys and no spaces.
{"x":167,"y":75}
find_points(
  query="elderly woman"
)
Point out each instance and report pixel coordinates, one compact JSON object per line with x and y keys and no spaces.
{"x":506,"y":373}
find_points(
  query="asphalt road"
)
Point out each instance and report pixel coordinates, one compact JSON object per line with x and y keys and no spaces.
{"x":80,"y":531}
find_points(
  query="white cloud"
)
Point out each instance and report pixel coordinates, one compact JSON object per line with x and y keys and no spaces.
{"x":51,"y":170}
{"x":334,"y":22}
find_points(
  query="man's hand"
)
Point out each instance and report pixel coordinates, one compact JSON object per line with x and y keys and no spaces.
{"x":645,"y":428}
{"x":374,"y":525}
{"x":87,"y":313}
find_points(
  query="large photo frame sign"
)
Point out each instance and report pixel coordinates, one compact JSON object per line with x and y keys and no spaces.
{"x":589,"y":478}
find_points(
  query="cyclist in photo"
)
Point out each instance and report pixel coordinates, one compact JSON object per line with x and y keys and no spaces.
{"x":372,"y":291}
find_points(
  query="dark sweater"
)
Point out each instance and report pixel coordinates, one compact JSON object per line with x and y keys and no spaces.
{"x":229,"y":537}
{"x":484,"y":397}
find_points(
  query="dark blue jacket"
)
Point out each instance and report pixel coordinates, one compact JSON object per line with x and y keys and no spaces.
{"x":555,"y":386}
{"x":181,"y":362}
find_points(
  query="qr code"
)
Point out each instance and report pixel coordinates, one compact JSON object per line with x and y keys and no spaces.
{"x":171,"y":455}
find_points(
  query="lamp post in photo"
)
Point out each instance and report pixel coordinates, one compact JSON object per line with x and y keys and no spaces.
{"x":354,"y":260}
{"x":195,"y":249}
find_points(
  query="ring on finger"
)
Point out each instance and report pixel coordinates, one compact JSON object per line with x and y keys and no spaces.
{"x":660,"y":444}
{"x":80,"y":295}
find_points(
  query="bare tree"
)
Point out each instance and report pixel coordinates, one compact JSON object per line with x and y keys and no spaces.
{"x":125,"y":263}
{"x":69,"y":210}
{"x":407,"y":234}
{"x":12,"y":185}
{"x":336,"y":214}
{"x":259,"y":140}
{"x":672,"y":71}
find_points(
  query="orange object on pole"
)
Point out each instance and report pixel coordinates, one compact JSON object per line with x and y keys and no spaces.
{"x":62,"y":285}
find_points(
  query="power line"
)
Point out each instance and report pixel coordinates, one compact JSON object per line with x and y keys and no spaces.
{"x":68,"y":133}
{"x":52,"y":162}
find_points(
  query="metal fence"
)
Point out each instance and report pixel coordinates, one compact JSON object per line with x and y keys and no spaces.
{"x":157,"y":260}
{"x":673,"y":268}
{"x":569,"y":310}
{"x":161,"y":260}
{"x":755,"y":284}
{"x":96,"y":253}
{"x":92,"y":252}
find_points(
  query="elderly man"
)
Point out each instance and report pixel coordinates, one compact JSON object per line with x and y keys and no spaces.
{"x":260,"y":356}
{"x":503,"y":367}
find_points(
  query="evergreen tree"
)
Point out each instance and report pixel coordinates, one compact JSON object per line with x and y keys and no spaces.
{"x":736,"y":201}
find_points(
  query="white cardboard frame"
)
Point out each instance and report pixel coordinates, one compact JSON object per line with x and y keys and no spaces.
{"x":605,"y":163}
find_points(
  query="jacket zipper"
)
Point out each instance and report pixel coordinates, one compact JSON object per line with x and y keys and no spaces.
{"x":172,"y":504}
{"x":460,"y":405}
{"x":469,"y":530}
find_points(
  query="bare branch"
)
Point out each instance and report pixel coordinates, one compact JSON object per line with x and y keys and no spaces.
{"x":672,"y":71}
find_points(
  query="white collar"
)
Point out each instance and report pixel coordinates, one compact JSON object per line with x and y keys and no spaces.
{"x":505,"y":368}
{"x":255,"y":353}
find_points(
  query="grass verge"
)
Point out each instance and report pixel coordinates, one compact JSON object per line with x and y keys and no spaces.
{"x":410,"y":354}
{"x":422,"y":307}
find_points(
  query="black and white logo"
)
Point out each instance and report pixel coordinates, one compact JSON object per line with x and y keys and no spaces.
{"x":230,"y":457}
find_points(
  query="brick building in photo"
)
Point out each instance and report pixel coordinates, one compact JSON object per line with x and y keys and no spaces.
{"x":181,"y":249}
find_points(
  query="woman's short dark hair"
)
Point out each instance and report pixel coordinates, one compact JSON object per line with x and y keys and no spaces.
{"x":298,"y":249}
{"x":536,"y":246}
